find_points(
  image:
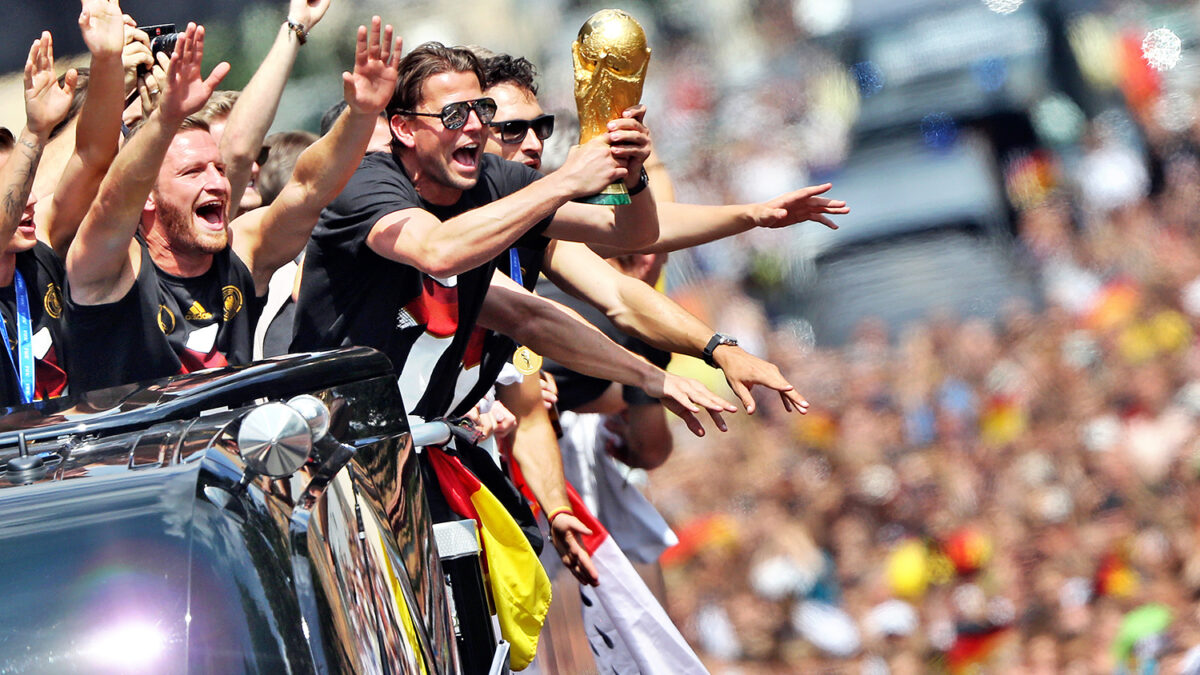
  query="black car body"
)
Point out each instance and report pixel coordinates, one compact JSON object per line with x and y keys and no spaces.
{"x":134,"y":539}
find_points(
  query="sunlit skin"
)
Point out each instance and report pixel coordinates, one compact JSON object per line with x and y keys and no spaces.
{"x":251,"y":199}
{"x":25,"y":236}
{"x":446,"y":161}
{"x":185,"y":213}
{"x":381,"y":137}
{"x":515,"y":103}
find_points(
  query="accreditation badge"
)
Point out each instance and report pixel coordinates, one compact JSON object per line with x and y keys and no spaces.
{"x":526,"y":361}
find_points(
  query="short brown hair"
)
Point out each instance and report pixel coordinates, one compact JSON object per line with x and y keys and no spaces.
{"x":422,"y":63}
{"x":189,"y":123}
{"x":284,"y":149}
{"x":219,"y":105}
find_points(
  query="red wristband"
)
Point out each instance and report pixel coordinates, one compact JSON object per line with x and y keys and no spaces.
{"x":558,"y":512}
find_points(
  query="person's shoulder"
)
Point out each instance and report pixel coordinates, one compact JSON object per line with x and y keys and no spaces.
{"x":378,"y":186}
{"x":378,"y":171}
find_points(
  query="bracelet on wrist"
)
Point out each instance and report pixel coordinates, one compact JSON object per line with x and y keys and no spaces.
{"x":558,"y":512}
{"x":299,"y":30}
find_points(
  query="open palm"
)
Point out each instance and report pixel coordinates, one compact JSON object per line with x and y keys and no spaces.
{"x":185,"y":91}
{"x":373,"y":82}
{"x":46,"y":102}
{"x":102,"y":26}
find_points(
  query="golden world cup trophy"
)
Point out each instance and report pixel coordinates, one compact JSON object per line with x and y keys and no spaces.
{"x":610,"y":57}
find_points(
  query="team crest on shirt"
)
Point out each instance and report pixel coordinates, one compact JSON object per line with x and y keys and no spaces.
{"x":52,"y":301}
{"x":166,"y":320}
{"x":197,"y":312}
{"x":231,"y":298}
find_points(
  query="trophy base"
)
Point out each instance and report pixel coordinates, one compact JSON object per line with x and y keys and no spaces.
{"x":615,"y":194}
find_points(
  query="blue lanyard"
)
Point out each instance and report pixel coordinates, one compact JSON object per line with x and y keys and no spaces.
{"x":514,"y":267}
{"x":24,"y":340}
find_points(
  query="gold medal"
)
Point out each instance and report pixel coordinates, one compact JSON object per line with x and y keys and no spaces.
{"x":526,"y":361}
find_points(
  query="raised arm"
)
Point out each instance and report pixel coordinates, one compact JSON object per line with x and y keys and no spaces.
{"x":269,"y":237}
{"x":442,"y":249}
{"x":639,"y":310}
{"x":97,"y":130}
{"x":560,"y":334}
{"x":46,"y":104}
{"x":254,"y":111}
{"x":100,"y":259}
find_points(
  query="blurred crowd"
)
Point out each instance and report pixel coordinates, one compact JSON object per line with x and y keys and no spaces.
{"x":1016,"y":494}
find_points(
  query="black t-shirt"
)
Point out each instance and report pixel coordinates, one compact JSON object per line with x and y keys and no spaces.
{"x":165,"y":325}
{"x":576,"y":389}
{"x":351,"y":295}
{"x":43,"y":274}
{"x":488,"y":351}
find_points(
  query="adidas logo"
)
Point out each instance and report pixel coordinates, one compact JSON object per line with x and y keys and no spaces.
{"x":197,"y":313}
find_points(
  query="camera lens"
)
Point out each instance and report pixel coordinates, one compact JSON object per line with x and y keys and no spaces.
{"x":164,"y":43}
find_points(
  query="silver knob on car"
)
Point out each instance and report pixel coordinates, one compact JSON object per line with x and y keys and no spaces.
{"x":314,"y":411}
{"x":274,"y":440}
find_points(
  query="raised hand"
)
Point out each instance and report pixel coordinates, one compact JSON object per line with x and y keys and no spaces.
{"x":744,"y":370}
{"x":307,"y":13}
{"x":799,"y":206}
{"x":185,"y":92}
{"x":103,"y":27}
{"x":373,"y":82}
{"x":46,"y":102}
{"x":685,"y":397}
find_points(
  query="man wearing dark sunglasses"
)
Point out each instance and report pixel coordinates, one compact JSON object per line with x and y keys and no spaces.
{"x":402,"y":260}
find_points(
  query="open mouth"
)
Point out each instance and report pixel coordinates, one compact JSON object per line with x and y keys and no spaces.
{"x":467,"y":156}
{"x":212,"y":212}
{"x":26,"y":221}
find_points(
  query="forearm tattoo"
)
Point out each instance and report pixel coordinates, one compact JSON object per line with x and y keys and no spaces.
{"x":20,"y":180}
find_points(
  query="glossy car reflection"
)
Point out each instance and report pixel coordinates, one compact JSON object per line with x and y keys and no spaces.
{"x":133,"y":539}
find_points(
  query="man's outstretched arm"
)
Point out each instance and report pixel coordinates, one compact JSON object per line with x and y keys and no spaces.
{"x":558,"y":333}
{"x":637,"y":309}
{"x":269,"y":237}
{"x":417,"y":238}
{"x":684,"y":225}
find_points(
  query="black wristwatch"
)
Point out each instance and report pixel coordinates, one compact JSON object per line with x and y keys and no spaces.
{"x":643,"y":181}
{"x":715,"y":341}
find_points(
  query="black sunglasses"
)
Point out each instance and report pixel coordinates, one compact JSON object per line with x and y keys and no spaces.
{"x":454,"y":115}
{"x":513,"y":131}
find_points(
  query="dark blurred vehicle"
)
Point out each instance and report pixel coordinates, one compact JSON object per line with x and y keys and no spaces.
{"x":945,"y":93}
{"x":928,"y":232}
{"x":260,"y":519}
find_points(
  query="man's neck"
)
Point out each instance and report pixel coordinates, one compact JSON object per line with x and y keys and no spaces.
{"x":429,"y":189}
{"x":8,"y":264}
{"x":177,"y":263}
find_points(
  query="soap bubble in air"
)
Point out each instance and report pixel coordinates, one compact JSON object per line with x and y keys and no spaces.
{"x":1003,"y":6}
{"x":1161,"y":49}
